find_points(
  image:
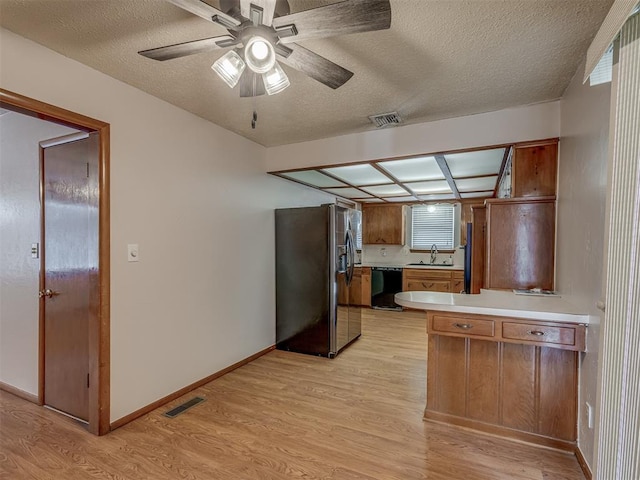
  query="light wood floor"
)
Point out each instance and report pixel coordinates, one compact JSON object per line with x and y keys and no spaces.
{"x":284,"y":416}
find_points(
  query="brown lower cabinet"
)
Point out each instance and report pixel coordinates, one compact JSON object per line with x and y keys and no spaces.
{"x":432,"y":280}
{"x":512,"y":377}
{"x":360,"y":290}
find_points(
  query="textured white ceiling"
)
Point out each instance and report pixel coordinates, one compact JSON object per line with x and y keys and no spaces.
{"x":439,"y":59}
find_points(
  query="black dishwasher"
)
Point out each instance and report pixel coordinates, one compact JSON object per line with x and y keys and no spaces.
{"x":385,"y":283}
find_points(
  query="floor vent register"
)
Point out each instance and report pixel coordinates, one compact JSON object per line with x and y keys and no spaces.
{"x":174,"y":412}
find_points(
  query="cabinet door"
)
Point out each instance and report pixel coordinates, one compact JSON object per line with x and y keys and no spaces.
{"x":520,"y":244}
{"x":478,"y":247}
{"x":457,"y":282}
{"x":534,"y":171}
{"x":483,"y":386}
{"x":519,"y":387}
{"x":446,"y":390}
{"x":382,"y":225}
{"x":558,"y":387}
{"x":366,"y":286}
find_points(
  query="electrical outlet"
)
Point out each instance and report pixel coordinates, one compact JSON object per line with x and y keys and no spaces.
{"x":590,"y":419}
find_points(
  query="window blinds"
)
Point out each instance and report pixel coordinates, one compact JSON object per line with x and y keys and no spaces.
{"x":432,"y":224}
{"x":611,"y":26}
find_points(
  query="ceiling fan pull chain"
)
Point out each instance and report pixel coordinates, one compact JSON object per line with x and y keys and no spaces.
{"x":254,"y":118}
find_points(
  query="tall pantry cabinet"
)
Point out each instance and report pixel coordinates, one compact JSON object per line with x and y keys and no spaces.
{"x":519,"y":250}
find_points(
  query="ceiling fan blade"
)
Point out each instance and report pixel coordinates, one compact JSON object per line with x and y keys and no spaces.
{"x":350,"y":16}
{"x":206,"y":11}
{"x":262,"y":14}
{"x":316,"y":66}
{"x":189,"y":48}
{"x":251,"y":84}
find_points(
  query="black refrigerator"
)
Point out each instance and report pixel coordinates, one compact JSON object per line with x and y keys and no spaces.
{"x":315,"y":260}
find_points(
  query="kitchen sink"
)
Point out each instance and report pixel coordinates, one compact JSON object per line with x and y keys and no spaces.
{"x":422,"y":264}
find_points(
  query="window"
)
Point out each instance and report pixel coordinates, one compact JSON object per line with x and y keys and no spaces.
{"x":433,"y":224}
{"x":604,"y":69}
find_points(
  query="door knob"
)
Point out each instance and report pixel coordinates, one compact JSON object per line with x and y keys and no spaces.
{"x":47,"y":293}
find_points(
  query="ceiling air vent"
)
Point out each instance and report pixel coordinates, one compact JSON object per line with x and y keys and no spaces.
{"x":385,"y":119}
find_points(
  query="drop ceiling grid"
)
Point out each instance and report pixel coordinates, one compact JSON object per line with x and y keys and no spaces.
{"x":477,"y":173}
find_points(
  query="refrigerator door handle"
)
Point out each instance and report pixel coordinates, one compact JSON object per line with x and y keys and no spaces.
{"x":351,"y":256}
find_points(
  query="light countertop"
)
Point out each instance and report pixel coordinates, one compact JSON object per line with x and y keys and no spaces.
{"x":499,"y":303}
{"x":423,"y":266}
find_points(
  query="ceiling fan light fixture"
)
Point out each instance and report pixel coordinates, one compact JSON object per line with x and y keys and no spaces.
{"x":229,"y":68}
{"x":275,"y":80}
{"x":259,"y":54}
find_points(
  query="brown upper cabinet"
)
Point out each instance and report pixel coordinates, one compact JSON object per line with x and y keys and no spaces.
{"x":532,"y":170}
{"x":520,"y":243}
{"x":382,"y":224}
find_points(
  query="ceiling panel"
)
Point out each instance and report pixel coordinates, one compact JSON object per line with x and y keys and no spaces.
{"x":315,"y":178}
{"x":471,"y":164}
{"x":347,"y":192}
{"x":486,"y":194}
{"x":437,"y":196}
{"x":358,"y":175}
{"x":476,"y":184}
{"x":414,"y":169}
{"x":436,"y":186}
{"x":382,"y":190}
{"x":400,"y":199}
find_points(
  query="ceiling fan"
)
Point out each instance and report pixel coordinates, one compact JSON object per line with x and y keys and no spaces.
{"x":263,"y":32}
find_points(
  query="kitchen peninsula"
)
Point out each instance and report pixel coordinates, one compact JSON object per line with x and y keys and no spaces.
{"x":503,"y":363}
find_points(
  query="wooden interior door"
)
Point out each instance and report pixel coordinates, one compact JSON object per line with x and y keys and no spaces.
{"x":69,"y":293}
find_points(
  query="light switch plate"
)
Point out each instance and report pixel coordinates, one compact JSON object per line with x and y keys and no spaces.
{"x":132,"y":252}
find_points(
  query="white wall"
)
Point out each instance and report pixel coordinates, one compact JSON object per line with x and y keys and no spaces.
{"x":582,"y":190}
{"x":196,"y":199}
{"x":519,"y":124}
{"x":19,"y":228}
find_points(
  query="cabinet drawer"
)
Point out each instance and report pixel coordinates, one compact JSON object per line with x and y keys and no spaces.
{"x":463,"y":326}
{"x":423,"y":273}
{"x":457,"y":286}
{"x":457,"y":275}
{"x":428,"y":285}
{"x":539,"y":333}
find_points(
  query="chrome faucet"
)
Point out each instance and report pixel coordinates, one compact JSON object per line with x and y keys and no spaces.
{"x":434,"y":252}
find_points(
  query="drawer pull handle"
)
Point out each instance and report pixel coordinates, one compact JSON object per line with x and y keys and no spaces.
{"x":537,"y":333}
{"x":464,"y":326}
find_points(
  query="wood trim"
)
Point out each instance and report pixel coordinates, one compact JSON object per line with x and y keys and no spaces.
{"x":423,"y":154}
{"x":536,"y":143}
{"x":583,"y":463}
{"x":41,"y":279}
{"x":503,"y":432}
{"x":30,"y":397}
{"x":99,"y":331}
{"x":437,"y":155}
{"x":172,"y":396}
{"x":101,"y":368}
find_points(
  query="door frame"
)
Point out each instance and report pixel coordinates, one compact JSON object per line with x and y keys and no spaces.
{"x":99,"y":328}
